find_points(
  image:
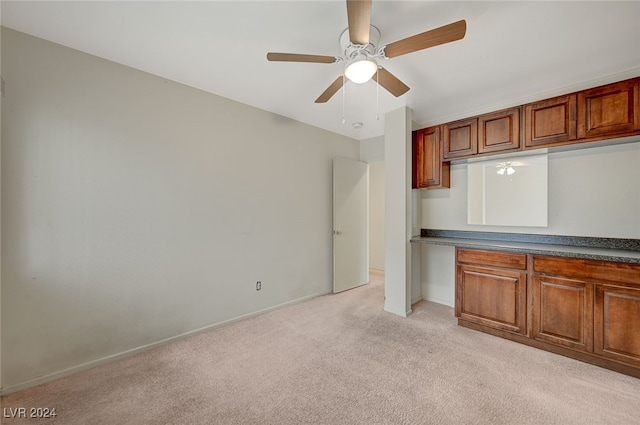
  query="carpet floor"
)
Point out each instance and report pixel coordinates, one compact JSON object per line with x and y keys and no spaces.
{"x":339,"y":359}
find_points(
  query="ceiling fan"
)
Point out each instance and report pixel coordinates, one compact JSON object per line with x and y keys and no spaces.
{"x":361,"y":52}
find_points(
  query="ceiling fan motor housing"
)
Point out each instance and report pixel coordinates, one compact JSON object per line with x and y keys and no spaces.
{"x":353,"y":51}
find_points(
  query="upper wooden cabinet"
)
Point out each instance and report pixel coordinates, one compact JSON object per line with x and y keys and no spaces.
{"x":605,"y":112}
{"x":550,"y":121}
{"x":600,"y":113}
{"x":429,"y":172}
{"x":460,"y":138}
{"x":489,"y":133}
{"x":609,"y":110}
{"x":499,"y":131}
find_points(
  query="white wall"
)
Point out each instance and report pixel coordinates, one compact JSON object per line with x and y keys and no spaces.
{"x":398,"y":212}
{"x":592,"y":192}
{"x":438,"y":273}
{"x":372,"y":151}
{"x":376,"y":215}
{"x":136,"y":209}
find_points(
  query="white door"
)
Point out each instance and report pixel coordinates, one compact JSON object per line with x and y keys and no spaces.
{"x":350,"y":224}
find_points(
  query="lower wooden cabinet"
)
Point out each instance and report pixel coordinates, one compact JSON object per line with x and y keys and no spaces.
{"x":492,"y":294}
{"x":562,"y":312}
{"x":617,"y":323}
{"x":580,"y":308}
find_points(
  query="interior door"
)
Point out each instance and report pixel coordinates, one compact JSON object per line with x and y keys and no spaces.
{"x":350,"y":224}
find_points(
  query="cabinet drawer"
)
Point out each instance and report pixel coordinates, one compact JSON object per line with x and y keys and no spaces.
{"x":492,"y":258}
{"x":593,"y":270}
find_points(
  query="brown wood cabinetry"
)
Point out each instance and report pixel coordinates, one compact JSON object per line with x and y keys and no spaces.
{"x":499,"y":131}
{"x":601,"y":308}
{"x":460,"y":138}
{"x":581,"y":308}
{"x":617,"y":323}
{"x":605,"y":112}
{"x":489,"y":133}
{"x":429,"y":172}
{"x":562,"y":312}
{"x":550,"y":121}
{"x":609,"y":110}
{"x":491,"y":289}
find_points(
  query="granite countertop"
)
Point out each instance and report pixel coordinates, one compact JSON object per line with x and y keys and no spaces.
{"x":606,"y":249}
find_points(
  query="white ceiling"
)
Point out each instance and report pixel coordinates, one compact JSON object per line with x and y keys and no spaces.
{"x":513,"y":52}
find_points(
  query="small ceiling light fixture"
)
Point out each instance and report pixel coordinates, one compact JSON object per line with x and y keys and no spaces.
{"x":505,"y":168}
{"x":357,"y":125}
{"x":361,"y":69}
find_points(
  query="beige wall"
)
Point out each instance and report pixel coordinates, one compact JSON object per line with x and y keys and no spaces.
{"x":136,"y":209}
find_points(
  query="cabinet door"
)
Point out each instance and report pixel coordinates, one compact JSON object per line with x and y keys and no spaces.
{"x":617,"y":319}
{"x":492,"y":297}
{"x":609,"y":110}
{"x":562,"y":312}
{"x":428,"y":169}
{"x":460,"y":138}
{"x":499,"y":131}
{"x":550,"y":121}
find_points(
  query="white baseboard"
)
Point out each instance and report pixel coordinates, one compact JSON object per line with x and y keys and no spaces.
{"x":438,"y":301}
{"x":88,"y":365}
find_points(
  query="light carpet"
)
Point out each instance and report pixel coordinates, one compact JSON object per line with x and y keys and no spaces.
{"x":340,"y":359}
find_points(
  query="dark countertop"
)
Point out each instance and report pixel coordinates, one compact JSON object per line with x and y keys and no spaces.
{"x":605,"y":249}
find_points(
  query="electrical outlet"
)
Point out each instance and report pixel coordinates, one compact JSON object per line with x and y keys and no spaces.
{"x":258,"y":285}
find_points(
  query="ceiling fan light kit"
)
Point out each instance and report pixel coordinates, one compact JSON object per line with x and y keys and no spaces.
{"x":361,"y":64}
{"x":359,"y":46}
{"x":361,"y":70}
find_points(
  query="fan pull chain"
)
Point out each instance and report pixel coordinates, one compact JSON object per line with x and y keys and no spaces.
{"x":377,"y":94}
{"x":343,"y":97}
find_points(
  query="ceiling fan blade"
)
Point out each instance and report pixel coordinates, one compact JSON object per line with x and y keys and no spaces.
{"x":359,"y":18}
{"x":295,"y":57}
{"x":390,"y":82}
{"x":434,"y":37}
{"x":331,"y":90}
